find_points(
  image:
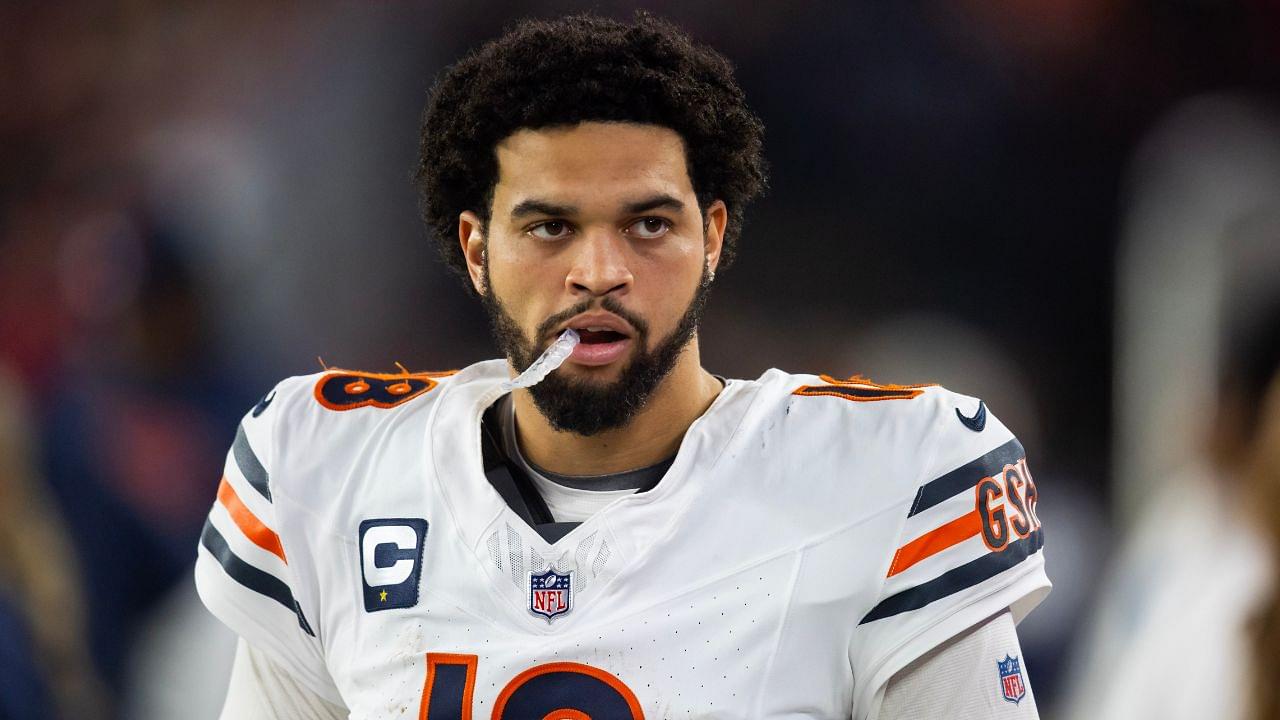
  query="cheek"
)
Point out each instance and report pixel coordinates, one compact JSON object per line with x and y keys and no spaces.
{"x":686,"y":263}
{"x":673,"y":285}
{"x":521,"y":263}
{"x":524,"y":287}
{"x":672,"y":262}
{"x":693,"y":255}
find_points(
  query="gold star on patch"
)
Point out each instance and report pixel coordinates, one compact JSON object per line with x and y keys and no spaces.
{"x":382,"y":596}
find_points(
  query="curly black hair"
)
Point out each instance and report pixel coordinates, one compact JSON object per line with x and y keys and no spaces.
{"x":585,"y":68}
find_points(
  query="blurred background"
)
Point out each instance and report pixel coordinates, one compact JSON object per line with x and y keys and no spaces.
{"x":1070,"y":208}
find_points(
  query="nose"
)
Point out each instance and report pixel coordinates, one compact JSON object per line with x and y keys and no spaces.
{"x":600,"y":265}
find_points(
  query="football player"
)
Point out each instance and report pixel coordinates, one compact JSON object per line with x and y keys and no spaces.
{"x":631,"y":536}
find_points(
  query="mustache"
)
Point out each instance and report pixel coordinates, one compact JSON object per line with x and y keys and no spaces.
{"x":609,"y":304}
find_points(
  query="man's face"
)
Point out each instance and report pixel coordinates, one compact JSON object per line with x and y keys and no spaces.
{"x":594,"y":227}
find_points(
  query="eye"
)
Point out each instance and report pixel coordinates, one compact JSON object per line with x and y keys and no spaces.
{"x":648,"y":228}
{"x":550,"y":230}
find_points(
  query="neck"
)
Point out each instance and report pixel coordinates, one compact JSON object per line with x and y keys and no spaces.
{"x":653,"y":435}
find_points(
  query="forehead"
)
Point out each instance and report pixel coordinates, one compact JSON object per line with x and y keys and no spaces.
{"x":590,"y":161}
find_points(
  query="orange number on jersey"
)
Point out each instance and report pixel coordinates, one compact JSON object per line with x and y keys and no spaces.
{"x":346,"y":390}
{"x":553,"y":691}
{"x":860,"y":389}
{"x":447,"y":691}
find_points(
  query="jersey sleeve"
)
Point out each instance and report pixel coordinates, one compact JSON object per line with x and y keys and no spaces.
{"x":969,"y":546}
{"x":260,"y":690}
{"x":243,"y":567}
{"x":960,"y":680}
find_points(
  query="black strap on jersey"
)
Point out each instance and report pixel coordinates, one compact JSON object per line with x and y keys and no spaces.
{"x":511,"y":482}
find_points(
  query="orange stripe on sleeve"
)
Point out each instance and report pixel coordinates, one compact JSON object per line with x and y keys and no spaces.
{"x":249,"y":524}
{"x":935,"y":541}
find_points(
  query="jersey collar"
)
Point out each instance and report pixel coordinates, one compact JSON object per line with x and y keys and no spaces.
{"x":457,"y":461}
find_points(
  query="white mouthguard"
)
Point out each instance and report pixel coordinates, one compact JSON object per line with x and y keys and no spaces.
{"x":553,"y":358}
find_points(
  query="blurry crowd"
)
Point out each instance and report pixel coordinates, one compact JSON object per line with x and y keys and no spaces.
{"x":116,"y":405}
{"x":1071,"y":209}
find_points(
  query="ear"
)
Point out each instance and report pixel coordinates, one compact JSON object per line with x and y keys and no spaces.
{"x":717,"y":219}
{"x":471,"y":236}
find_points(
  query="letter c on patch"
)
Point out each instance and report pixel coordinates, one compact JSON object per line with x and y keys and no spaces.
{"x":374,"y":548}
{"x":391,"y":552}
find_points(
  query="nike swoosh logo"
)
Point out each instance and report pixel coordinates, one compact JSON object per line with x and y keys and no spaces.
{"x":263,"y":403}
{"x":979,"y":419}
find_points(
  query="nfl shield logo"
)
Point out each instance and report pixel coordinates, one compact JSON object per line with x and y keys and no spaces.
{"x":550,"y":593}
{"x":1011,"y":679}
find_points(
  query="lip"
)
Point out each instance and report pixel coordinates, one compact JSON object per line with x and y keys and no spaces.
{"x":596,"y":354}
{"x":608,"y":321}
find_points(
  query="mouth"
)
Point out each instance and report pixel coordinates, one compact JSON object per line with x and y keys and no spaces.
{"x":603,"y":339}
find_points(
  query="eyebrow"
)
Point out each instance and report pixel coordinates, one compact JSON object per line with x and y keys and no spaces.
{"x":541,"y":207}
{"x":653,"y":203}
{"x":534,"y":206}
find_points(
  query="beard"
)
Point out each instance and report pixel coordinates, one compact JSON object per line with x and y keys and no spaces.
{"x":581,"y":406}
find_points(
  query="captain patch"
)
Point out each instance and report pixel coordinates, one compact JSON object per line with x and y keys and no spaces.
{"x":391,"y":561}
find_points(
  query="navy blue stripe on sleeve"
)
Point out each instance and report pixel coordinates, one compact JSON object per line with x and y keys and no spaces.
{"x":249,"y":576}
{"x":957,"y":579}
{"x":966,"y":476}
{"x":249,"y":464}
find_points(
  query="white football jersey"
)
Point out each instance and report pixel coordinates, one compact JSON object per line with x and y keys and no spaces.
{"x":812,"y":537}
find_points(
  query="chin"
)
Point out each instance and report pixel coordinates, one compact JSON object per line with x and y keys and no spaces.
{"x":598,"y":374}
